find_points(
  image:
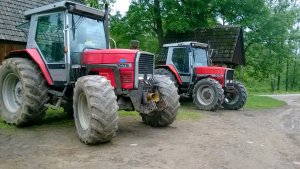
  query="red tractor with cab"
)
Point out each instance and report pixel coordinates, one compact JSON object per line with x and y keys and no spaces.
{"x":188,"y":64}
{"x":67,"y":64}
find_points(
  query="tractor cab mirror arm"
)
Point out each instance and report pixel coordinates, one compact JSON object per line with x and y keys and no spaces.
{"x":212,"y":51}
{"x":106,"y":13}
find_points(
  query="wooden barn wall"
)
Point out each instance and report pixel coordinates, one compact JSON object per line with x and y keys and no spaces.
{"x":7,"y":46}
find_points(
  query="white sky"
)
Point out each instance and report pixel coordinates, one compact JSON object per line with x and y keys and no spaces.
{"x":120,"y":5}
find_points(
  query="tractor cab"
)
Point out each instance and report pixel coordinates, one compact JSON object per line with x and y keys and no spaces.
{"x":185,"y":56}
{"x":61,"y":32}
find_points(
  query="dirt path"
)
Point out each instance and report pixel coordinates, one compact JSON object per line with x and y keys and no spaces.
{"x":225,"y":140}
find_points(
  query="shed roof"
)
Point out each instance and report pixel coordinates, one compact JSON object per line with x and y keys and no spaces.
{"x":12,"y":15}
{"x":227,"y":40}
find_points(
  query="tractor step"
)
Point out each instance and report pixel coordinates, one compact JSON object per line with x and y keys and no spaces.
{"x":56,"y":93}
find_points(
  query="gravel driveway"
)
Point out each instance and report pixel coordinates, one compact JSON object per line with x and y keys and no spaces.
{"x":247,"y":139}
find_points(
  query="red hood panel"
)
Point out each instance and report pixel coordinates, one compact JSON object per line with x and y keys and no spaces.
{"x":109,"y":56}
{"x":210,"y":70}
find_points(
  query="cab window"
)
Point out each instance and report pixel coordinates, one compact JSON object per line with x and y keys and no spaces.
{"x":180,"y":59}
{"x":50,"y":37}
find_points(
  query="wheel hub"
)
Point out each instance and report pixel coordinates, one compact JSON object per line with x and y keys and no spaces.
{"x":18,"y":93}
{"x":83,"y":112}
{"x":232,"y":97}
{"x":12,"y":93}
{"x":205,"y":95}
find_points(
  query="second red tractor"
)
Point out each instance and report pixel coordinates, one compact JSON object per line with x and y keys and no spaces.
{"x":188,"y":64}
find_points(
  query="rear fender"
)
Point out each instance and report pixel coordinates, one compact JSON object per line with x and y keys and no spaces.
{"x":34,"y":55}
{"x":173,"y":70}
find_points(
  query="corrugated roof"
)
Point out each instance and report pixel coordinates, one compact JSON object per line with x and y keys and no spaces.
{"x":12,"y":15}
{"x":227,"y":40}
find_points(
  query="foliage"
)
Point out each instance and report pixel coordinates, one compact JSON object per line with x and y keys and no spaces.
{"x":271,"y":31}
{"x":99,"y":4}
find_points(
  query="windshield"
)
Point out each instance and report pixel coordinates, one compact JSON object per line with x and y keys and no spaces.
{"x":86,"y":33}
{"x":200,"y":56}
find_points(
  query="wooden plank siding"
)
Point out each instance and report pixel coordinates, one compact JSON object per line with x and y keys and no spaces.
{"x":8,"y":46}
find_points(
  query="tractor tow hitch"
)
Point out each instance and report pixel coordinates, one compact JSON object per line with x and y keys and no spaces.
{"x":152,"y":100}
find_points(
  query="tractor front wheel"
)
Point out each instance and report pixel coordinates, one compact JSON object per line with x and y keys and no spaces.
{"x":23,"y":92}
{"x":168,"y":92}
{"x":95,"y":109}
{"x":237,"y":98}
{"x":168,"y":73}
{"x":208,"y":94}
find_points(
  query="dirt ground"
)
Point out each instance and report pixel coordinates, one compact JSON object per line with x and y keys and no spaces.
{"x":265,"y":139}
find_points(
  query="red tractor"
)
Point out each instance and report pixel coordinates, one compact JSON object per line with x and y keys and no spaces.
{"x":67,"y":63}
{"x":188,"y":65}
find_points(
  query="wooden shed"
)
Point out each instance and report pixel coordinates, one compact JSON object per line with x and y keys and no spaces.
{"x":228,"y":42}
{"x":11,"y":15}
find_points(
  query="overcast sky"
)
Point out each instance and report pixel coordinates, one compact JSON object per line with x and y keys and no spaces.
{"x":121,"y":5}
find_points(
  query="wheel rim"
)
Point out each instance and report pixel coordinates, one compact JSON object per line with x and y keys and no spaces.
{"x":205,"y":95}
{"x":233,"y":97}
{"x":12,"y":92}
{"x":83,"y":112}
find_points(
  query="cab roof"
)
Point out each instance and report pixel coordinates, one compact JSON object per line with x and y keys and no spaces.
{"x":66,"y":5}
{"x":188,"y":43}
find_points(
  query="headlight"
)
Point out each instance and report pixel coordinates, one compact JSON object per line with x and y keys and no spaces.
{"x":141,"y":77}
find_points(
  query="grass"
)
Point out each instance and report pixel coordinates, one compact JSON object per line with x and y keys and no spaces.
{"x":187,"y":111}
{"x":263,"y":102}
{"x":52,"y":118}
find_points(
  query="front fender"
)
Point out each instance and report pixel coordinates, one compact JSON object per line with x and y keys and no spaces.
{"x":173,"y":70}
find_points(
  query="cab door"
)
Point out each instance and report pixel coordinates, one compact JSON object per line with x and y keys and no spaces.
{"x":181,"y":59}
{"x":50,"y":41}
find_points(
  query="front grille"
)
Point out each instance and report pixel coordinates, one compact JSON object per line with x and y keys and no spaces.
{"x":146,"y":64}
{"x":229,"y":78}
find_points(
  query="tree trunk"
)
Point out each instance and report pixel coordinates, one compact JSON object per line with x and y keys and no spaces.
{"x":278,"y":74}
{"x":287,"y":75}
{"x":158,"y":22}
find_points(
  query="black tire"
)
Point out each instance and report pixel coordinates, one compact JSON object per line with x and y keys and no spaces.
{"x":237,"y":98}
{"x":208,"y":94}
{"x":68,"y":108}
{"x":167,"y":91}
{"x":168,"y":73}
{"x":23,"y":92}
{"x":95,"y":109}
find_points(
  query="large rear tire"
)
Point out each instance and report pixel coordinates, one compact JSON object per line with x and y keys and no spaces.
{"x":168,"y":73}
{"x":208,"y":94}
{"x":167,"y":91}
{"x":237,"y":98}
{"x":95,"y":109}
{"x":23,"y":92}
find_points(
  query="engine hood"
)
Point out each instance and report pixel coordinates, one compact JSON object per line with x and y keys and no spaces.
{"x":211,"y":70}
{"x":109,"y":56}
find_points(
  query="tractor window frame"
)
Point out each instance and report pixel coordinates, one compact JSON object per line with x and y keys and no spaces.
{"x":196,"y":62}
{"x":80,"y":38}
{"x":48,"y":58}
{"x":186,"y":59}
